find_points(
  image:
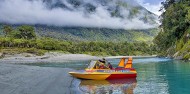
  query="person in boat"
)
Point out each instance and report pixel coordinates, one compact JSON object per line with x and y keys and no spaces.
{"x":102,"y":66}
{"x":110,"y":66}
{"x":103,"y":60}
{"x":97,"y":66}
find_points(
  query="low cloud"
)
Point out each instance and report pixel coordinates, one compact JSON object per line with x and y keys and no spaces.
{"x":151,"y":7}
{"x":36,"y":12}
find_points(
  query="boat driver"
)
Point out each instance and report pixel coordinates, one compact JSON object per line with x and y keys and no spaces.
{"x":110,"y":66}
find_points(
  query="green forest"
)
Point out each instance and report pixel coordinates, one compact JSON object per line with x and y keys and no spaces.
{"x":24,"y":39}
{"x":173,"y":39}
{"x":96,"y":34}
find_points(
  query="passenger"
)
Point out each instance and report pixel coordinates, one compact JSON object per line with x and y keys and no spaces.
{"x":97,"y":66}
{"x":103,"y":60}
{"x":110,"y":66}
{"x":101,"y":66}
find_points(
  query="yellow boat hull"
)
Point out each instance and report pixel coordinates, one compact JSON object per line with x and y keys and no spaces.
{"x":92,"y":76}
{"x":103,"y":75}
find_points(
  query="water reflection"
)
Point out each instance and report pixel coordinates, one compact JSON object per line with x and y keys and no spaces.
{"x":120,"y":86}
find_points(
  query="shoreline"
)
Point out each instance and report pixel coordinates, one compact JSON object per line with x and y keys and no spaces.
{"x":53,"y":57}
{"x":56,"y":57}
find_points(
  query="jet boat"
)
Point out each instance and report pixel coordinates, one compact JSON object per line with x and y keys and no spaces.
{"x":92,"y":72}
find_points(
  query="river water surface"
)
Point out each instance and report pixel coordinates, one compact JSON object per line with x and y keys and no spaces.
{"x":155,"y":76}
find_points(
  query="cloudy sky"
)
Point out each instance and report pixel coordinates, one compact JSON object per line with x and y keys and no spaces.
{"x":151,"y":5}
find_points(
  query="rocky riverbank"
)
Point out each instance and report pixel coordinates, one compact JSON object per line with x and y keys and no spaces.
{"x":54,"y":57}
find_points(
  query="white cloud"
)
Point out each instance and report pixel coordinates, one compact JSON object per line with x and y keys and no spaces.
{"x":35,"y":12}
{"x":151,"y":7}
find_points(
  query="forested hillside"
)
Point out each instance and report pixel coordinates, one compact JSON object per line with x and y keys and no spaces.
{"x":93,"y":34}
{"x":173,"y":40}
{"x":97,"y":34}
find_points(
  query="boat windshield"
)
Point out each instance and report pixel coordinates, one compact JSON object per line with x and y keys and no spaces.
{"x":92,"y":64}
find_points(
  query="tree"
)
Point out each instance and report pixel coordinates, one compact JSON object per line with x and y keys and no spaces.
{"x":26,"y":32}
{"x":7,"y":29}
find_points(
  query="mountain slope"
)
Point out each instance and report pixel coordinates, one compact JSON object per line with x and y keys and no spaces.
{"x":96,"y":34}
{"x":83,"y":20}
{"x":126,"y":11}
{"x":115,"y":14}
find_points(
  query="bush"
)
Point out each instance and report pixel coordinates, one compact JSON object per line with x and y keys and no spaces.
{"x":186,"y":56}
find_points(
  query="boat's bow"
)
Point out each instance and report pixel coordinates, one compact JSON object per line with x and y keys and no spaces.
{"x":90,"y":75}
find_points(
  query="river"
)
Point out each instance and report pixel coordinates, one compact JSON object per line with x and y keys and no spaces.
{"x":154,"y":76}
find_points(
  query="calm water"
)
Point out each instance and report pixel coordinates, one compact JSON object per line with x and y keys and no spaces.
{"x":155,"y":76}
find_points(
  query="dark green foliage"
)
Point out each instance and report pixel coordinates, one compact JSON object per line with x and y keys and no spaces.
{"x":26,"y":32}
{"x":7,"y":29}
{"x":175,"y":25}
{"x":21,"y":32}
{"x":167,"y":4}
{"x":93,"y":48}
